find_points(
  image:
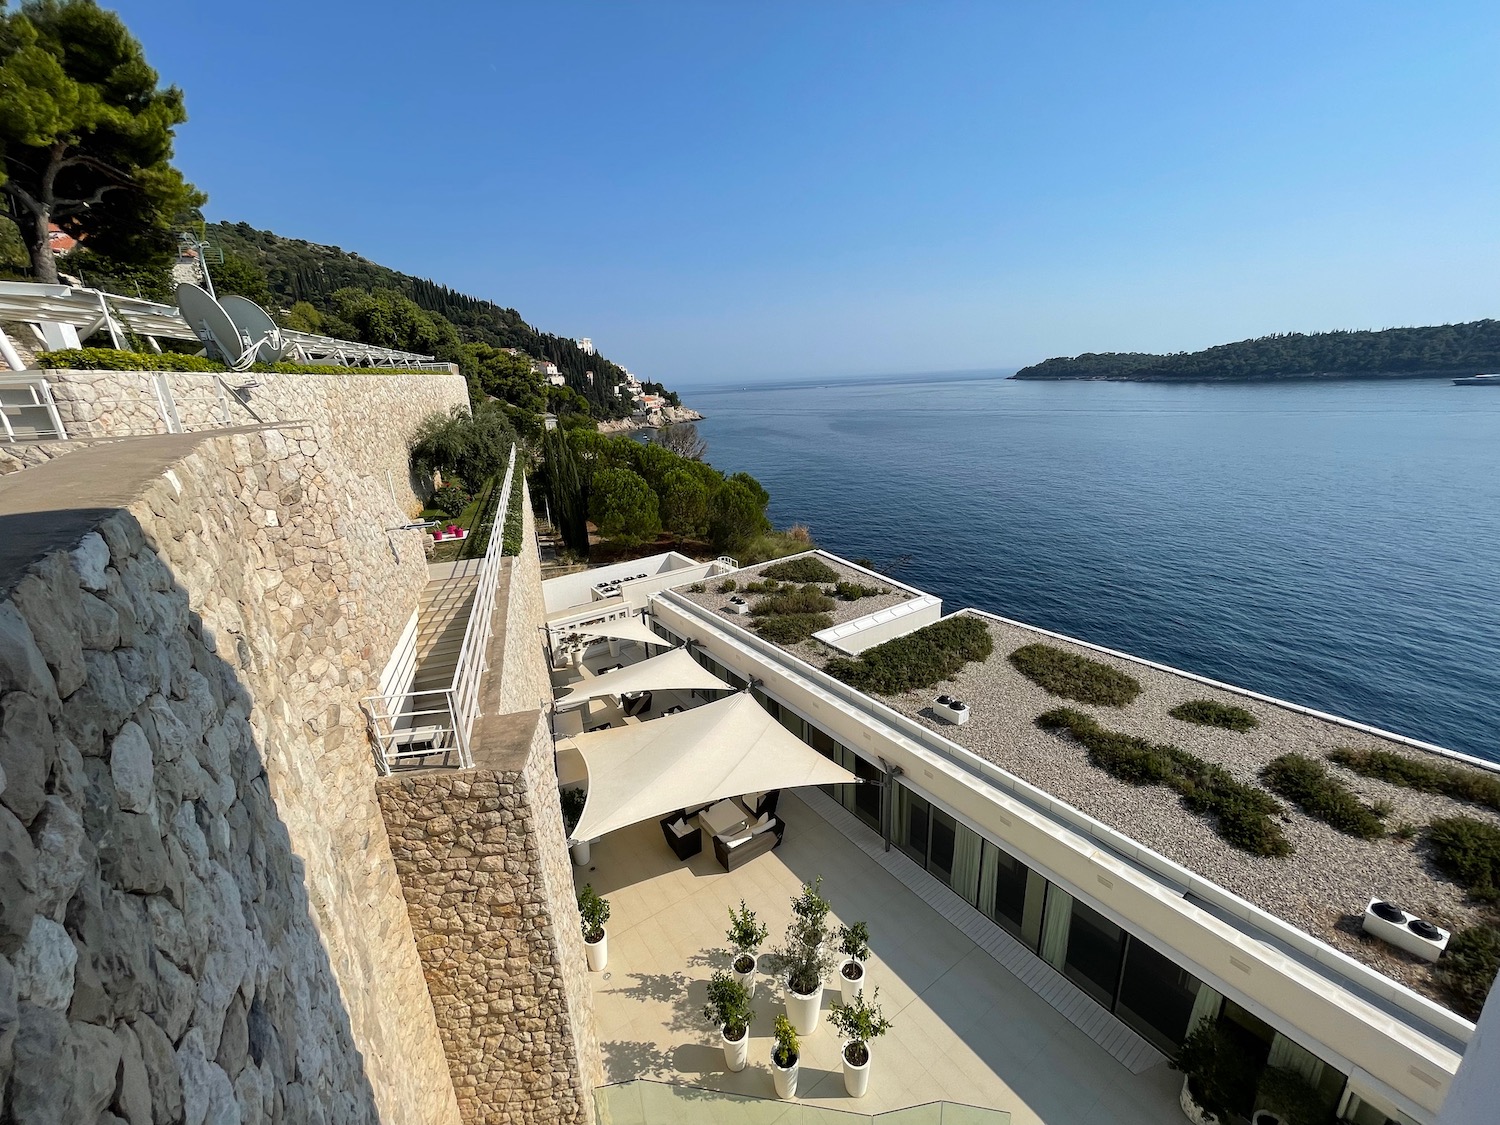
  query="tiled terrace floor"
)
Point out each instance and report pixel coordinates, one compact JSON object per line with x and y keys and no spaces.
{"x":965,"y":1029}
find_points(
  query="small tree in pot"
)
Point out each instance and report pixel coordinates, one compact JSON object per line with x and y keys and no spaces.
{"x":1220,"y":1080}
{"x":859,"y":1023}
{"x":595,"y":912}
{"x":854,"y":944}
{"x":746,"y":933}
{"x":784,"y":1055}
{"x":729,"y":1009}
{"x":804,"y":957}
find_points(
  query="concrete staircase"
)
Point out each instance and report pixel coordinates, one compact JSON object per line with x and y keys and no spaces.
{"x":443,"y":616}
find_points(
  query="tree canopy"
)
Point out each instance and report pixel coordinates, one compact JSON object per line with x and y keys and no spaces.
{"x":86,"y":136}
{"x":472,"y":447}
{"x":623,"y":507}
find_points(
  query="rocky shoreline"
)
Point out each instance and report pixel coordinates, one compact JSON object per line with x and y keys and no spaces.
{"x":666,"y":416}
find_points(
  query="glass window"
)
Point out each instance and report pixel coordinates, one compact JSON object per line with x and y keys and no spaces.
{"x":1156,"y":996}
{"x":911,"y":824}
{"x":966,"y":859}
{"x":940,"y":852}
{"x":793,"y":722}
{"x":1005,"y":879}
{"x":1095,"y":947}
{"x":867,"y":796}
{"x":822,"y":742}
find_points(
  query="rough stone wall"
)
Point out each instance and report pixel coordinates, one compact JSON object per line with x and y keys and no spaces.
{"x":361,"y":413}
{"x":524,"y":682}
{"x":490,"y":892}
{"x":200,"y":919}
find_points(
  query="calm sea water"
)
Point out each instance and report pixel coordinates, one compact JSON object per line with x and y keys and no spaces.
{"x":1335,"y":544}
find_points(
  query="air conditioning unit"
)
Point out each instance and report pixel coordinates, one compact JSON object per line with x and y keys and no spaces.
{"x":1405,"y":931}
{"x":950,"y":710}
{"x":738,"y":605}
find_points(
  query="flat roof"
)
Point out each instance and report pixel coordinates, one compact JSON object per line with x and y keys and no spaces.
{"x":1321,"y":889}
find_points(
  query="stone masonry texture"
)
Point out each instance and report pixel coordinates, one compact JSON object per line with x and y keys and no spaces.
{"x":201,"y":919}
{"x":484,"y":863}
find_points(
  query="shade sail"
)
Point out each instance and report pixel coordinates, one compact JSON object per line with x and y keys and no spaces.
{"x":722,"y":749}
{"x":621,"y":629}
{"x":671,"y":671}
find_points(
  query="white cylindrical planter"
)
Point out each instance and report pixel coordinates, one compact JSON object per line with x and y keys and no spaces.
{"x":803,"y":1011}
{"x":736,"y":1053}
{"x":784,"y":1077}
{"x":580,"y":853}
{"x":747,"y":978}
{"x":856,"y":1078}
{"x":850,"y":989}
{"x":1190,"y":1108}
{"x":598,"y":952}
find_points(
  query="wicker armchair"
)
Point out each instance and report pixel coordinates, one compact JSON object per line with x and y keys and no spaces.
{"x":730,"y":857}
{"x":687,"y":845}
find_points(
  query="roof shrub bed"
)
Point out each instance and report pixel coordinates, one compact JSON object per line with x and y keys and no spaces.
{"x":804,"y":599}
{"x":792,"y":628}
{"x":805,"y":568}
{"x":1307,"y":783}
{"x":1207,"y":713}
{"x":1468,"y":852}
{"x":1242,"y":813}
{"x":920,"y":659}
{"x":1074,"y":677}
{"x":112,"y":359}
{"x":1461,"y":782}
{"x":1469,"y":966}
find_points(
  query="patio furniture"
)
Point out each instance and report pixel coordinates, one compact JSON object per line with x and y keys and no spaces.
{"x":737,"y":850}
{"x":723,"y":819}
{"x":758,"y":803}
{"x":636,"y":702}
{"x":683,"y":836}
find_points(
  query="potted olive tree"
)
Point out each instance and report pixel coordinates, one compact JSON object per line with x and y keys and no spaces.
{"x":804,"y":957}
{"x":854,"y":944}
{"x":729,"y":1008}
{"x":573,"y":800}
{"x":784,"y":1055}
{"x":859,"y":1023}
{"x":746,"y":933}
{"x":595,"y":912}
{"x":1219,"y":1079}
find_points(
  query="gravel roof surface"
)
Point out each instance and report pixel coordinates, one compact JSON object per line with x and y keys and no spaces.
{"x":1322,"y":888}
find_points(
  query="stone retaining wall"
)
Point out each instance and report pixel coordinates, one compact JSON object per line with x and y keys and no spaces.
{"x":366,"y":414}
{"x":524,"y":682}
{"x":200,"y":916}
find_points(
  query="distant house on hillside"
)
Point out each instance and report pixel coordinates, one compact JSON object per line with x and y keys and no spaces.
{"x":60,"y":240}
{"x":586,"y":346}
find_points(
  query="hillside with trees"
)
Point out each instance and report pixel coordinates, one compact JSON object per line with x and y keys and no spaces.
{"x":1444,"y":349}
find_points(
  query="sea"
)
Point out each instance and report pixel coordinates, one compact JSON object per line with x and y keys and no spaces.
{"x":1333,"y":543}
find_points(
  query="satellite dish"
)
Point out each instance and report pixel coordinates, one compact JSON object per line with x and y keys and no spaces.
{"x":253,"y":322}
{"x":211,"y":324}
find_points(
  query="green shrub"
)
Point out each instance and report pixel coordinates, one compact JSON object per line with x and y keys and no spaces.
{"x":804,"y":599}
{"x":1468,"y":852}
{"x":766,"y":587}
{"x":1307,"y":784}
{"x":1468,"y":967}
{"x":728,"y":586}
{"x":1461,"y":782}
{"x":791,"y":628}
{"x":920,"y":659}
{"x":697,"y":588}
{"x":1207,"y":713}
{"x":451,"y":500}
{"x":804,"y":568}
{"x":1074,"y":677}
{"x":1242,"y":813}
{"x":1220,"y":1075}
{"x":113,"y":359}
{"x":853,"y":591}
{"x":515,"y":515}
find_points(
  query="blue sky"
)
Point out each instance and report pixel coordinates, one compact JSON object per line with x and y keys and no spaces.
{"x":731,"y":191}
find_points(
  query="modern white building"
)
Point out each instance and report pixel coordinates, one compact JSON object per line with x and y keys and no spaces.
{"x":585,"y":345}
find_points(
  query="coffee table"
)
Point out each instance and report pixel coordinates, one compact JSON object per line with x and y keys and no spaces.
{"x":725,"y":817}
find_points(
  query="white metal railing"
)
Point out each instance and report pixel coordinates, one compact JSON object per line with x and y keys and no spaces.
{"x":28,"y":400}
{"x":419,"y":724}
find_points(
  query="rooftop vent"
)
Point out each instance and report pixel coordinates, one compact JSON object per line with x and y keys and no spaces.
{"x":950,"y":710}
{"x":1405,"y":931}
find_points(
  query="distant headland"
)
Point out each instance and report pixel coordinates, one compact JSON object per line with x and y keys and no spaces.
{"x":1444,"y":349}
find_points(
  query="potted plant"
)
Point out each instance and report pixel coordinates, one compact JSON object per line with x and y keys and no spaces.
{"x":573,"y":800}
{"x":729,"y":1008}
{"x":804,"y":958}
{"x":858,"y":1023}
{"x":1219,"y":1079}
{"x":595,"y":912}
{"x":854,"y":944}
{"x":745,"y":935}
{"x":784,"y":1055}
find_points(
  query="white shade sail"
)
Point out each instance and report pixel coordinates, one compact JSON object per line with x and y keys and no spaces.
{"x":621,"y":629}
{"x":722,"y":749}
{"x":671,"y":671}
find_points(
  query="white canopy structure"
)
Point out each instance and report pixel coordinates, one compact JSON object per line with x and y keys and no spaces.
{"x":621,"y":629}
{"x":722,"y":749}
{"x":671,"y":671}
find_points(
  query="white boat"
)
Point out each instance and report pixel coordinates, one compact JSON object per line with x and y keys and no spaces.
{"x":1478,"y":381}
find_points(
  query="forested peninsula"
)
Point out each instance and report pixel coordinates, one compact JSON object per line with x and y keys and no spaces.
{"x":1444,"y":349}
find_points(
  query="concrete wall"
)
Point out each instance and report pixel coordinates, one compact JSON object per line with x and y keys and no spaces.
{"x":200,"y":917}
{"x":373,"y":413}
{"x":484,"y":864}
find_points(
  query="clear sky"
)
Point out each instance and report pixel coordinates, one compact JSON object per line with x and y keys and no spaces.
{"x":736,"y":190}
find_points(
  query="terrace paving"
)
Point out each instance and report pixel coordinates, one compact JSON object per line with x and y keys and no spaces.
{"x":965,"y":1029}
